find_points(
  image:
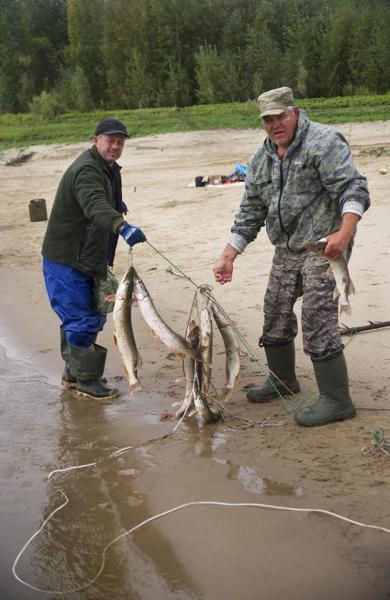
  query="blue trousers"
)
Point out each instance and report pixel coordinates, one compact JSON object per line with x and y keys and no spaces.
{"x":71,"y":297}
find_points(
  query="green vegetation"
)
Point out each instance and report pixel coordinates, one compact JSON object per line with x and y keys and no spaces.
{"x":27,"y":129}
{"x":60,"y":56}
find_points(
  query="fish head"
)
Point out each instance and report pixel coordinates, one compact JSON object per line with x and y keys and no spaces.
{"x":316,"y":245}
{"x":129,"y":275}
{"x":140,"y":291}
{"x":193,"y":331}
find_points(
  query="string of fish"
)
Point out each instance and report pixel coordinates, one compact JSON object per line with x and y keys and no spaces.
{"x":290,"y":406}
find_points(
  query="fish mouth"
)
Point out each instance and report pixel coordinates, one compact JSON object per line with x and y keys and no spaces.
{"x":315,"y":245}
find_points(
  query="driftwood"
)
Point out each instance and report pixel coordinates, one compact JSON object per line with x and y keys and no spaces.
{"x":372,"y":325}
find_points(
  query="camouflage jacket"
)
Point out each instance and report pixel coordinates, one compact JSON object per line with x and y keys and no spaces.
{"x":300,"y":197}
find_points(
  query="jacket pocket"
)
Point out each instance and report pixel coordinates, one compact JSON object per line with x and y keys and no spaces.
{"x":265,"y":190}
{"x":306,"y":179}
{"x":92,"y":253}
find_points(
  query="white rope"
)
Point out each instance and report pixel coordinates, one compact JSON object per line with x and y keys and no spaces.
{"x":159,"y":516}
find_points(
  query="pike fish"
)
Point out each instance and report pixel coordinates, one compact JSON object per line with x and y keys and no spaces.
{"x":192,"y":336}
{"x":174,"y":341}
{"x":339,"y":267}
{"x":204,"y":412}
{"x":232,"y":351}
{"x":206,"y":343}
{"x":124,"y":336}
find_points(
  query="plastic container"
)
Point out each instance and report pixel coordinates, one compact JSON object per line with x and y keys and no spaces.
{"x":37,"y":209}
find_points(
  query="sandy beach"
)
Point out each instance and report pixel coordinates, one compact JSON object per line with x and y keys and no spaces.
{"x":256,"y":455}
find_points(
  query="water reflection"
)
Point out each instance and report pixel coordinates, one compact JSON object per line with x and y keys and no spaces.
{"x":103,"y":503}
{"x":208,"y":443}
{"x":255,"y":484}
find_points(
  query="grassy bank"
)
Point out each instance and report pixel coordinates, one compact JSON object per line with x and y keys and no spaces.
{"x":27,"y":129}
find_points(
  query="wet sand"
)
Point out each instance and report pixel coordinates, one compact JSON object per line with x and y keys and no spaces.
{"x":205,"y":551}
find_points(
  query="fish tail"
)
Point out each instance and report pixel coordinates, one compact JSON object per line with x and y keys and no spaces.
{"x":134,"y":387}
{"x":227,"y":394}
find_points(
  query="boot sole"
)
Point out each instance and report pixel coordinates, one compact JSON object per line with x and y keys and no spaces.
{"x":109,"y":397}
{"x":266,"y":399}
{"x":68,"y":384}
{"x":73,"y":384}
{"x":340,"y":417}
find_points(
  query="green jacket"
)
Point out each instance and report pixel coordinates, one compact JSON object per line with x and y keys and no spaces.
{"x":299,"y":198}
{"x":83,"y":216}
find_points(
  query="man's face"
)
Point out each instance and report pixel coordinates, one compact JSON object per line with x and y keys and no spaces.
{"x":110,"y":147}
{"x":281,"y":128}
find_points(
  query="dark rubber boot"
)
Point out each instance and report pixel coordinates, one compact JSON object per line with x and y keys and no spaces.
{"x":281,"y":361}
{"x":334,"y":403}
{"x":89,"y":365}
{"x":68,"y":379}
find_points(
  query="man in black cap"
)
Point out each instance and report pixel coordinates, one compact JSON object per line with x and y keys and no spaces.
{"x":79,"y":245}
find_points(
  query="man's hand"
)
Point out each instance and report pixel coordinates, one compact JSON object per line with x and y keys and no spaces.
{"x":123,"y":208}
{"x":131,"y":234}
{"x":223,"y":269}
{"x":338,"y":241}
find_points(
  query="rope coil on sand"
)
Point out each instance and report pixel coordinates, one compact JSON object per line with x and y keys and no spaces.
{"x":155,"y":518}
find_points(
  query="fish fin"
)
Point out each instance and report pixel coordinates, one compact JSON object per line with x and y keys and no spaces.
{"x":176,"y":403}
{"x":345,"y":308}
{"x":192,"y":328}
{"x":166,"y":416}
{"x":202,"y":348}
{"x":154,"y":334}
{"x":180,"y":379}
{"x":191,"y":413}
{"x":139,"y":360}
{"x":110,"y":298}
{"x":336,"y":294}
{"x":351,"y":288}
{"x":115,"y":340}
{"x":134,"y":387}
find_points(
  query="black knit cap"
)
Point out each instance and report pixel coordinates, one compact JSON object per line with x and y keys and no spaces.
{"x":110,"y":126}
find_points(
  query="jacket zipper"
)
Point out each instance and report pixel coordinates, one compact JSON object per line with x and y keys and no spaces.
{"x":281,"y":186}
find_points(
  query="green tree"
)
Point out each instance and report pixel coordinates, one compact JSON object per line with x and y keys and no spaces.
{"x":48,"y":38}
{"x":73,"y":91}
{"x":85,"y":28}
{"x":217,"y":76}
{"x":13,"y":61}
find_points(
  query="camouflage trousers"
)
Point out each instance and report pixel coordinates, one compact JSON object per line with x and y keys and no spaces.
{"x":294,"y":275}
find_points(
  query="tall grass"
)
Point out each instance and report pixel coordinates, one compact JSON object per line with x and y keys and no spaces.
{"x":28,"y":129}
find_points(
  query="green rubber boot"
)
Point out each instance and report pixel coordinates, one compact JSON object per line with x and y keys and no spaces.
{"x":334,"y":403}
{"x":68,"y":379}
{"x":88,"y":364}
{"x":281,"y":361}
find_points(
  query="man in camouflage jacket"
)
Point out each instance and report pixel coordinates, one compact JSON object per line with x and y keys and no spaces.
{"x":302,"y":185}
